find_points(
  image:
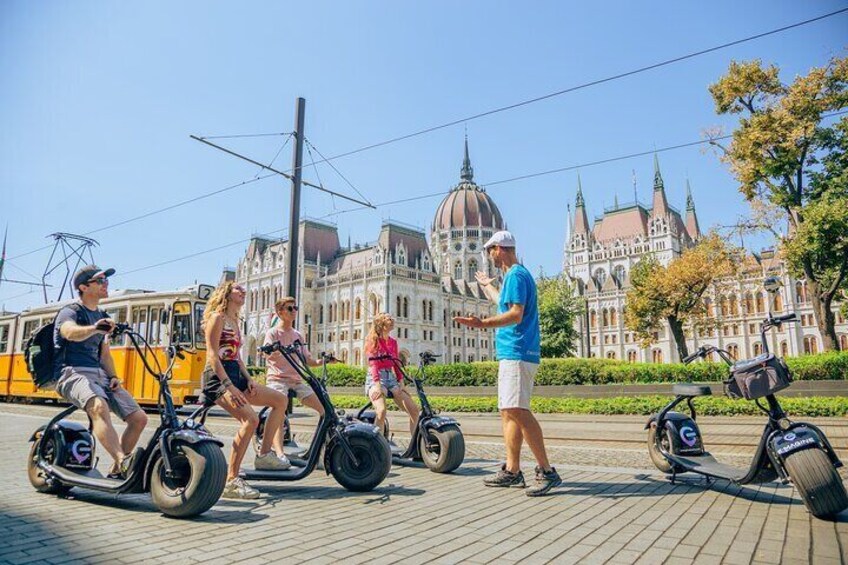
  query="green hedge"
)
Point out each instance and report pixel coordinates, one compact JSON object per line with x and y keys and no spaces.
{"x":825,"y":366}
{"x":639,"y":405}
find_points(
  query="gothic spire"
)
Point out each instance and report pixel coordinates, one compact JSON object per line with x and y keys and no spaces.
{"x":660,"y":207}
{"x":581,"y":220}
{"x":692,"y":227}
{"x":690,"y":203}
{"x":467,"y":172}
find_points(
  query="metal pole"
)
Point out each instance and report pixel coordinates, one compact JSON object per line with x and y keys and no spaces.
{"x":294,"y":209}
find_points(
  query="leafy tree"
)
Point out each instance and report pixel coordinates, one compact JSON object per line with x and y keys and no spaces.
{"x":559,"y":307}
{"x":673,"y":294}
{"x":784,"y":157}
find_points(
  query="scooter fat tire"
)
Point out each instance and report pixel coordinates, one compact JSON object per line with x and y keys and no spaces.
{"x":204,"y":470}
{"x":819,"y":484}
{"x":36,"y":475}
{"x":451,"y":449}
{"x":656,"y":455}
{"x":375,"y":461}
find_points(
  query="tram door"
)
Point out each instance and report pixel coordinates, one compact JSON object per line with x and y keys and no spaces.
{"x":146,"y":320}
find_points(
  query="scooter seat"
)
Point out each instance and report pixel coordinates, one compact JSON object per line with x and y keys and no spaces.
{"x":691,"y":390}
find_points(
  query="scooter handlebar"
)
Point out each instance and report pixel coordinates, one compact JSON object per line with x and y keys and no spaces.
{"x":700,"y":353}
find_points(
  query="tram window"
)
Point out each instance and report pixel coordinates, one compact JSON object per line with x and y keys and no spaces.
{"x":155,"y":326}
{"x":119,"y":316}
{"x":4,"y":338}
{"x":29,"y":327}
{"x":199,"y":337}
{"x":181,"y":317}
{"x":139,"y":319}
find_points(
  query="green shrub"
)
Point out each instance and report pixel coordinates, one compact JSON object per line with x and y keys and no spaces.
{"x":573,"y":371}
{"x":637,"y":405}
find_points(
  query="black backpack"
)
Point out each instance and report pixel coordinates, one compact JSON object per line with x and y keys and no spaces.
{"x":40,"y":353}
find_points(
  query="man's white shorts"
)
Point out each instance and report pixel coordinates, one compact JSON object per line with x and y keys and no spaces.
{"x":515,"y":383}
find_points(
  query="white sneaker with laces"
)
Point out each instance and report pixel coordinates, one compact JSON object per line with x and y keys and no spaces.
{"x":238,"y":488}
{"x":270,"y":462}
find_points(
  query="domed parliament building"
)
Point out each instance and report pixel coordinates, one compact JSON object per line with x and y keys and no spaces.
{"x":422,"y":284}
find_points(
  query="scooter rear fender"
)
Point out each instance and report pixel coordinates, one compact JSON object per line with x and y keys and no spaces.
{"x":180,"y":436}
{"x":439,"y":422}
{"x":351,"y":429}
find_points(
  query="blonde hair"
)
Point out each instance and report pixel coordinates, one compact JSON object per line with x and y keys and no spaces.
{"x":283,"y":301}
{"x":219,"y":301}
{"x":378,"y":326}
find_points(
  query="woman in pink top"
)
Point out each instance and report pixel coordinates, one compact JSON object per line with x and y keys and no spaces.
{"x":383,"y":375}
{"x":281,"y":375}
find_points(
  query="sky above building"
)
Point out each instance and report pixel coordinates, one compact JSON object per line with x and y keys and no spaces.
{"x":98,"y":100}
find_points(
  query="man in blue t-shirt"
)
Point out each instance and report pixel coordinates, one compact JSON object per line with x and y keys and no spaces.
{"x":518,"y":349}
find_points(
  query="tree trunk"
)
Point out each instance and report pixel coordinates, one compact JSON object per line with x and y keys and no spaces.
{"x":825,"y":320}
{"x":676,"y":327}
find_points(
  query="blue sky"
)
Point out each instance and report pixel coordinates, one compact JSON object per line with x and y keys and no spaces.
{"x":98,"y":100}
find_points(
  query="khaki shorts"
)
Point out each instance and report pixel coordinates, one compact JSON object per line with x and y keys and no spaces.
{"x":515,"y":383}
{"x":301,"y":390}
{"x":78,"y":385}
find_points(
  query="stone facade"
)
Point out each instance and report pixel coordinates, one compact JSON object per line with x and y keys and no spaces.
{"x":599,"y":258}
{"x":423,"y":285}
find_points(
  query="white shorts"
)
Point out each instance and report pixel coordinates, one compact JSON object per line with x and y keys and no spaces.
{"x":301,"y":390}
{"x":515,"y":383}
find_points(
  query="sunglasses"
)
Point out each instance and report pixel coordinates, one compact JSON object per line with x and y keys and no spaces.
{"x":289,"y":308}
{"x":237,"y":289}
{"x":99,"y":280}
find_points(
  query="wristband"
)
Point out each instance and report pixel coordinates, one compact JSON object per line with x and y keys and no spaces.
{"x":227,"y":382}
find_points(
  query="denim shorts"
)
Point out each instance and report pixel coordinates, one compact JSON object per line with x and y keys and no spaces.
{"x":388,"y":380}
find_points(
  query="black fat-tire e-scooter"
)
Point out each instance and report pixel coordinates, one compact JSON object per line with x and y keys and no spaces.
{"x":355,"y":453}
{"x":182,"y":466}
{"x":795,"y":452}
{"x":437,"y":440}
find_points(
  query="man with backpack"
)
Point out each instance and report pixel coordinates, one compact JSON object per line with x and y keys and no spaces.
{"x":86,"y":372}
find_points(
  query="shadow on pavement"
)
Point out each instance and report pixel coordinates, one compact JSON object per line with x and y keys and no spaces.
{"x":637,"y":489}
{"x":26,"y":536}
{"x":381,"y":494}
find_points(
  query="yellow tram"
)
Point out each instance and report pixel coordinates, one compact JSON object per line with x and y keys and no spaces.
{"x":161,"y":317}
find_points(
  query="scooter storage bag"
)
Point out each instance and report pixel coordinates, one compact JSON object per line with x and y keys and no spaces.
{"x":758,"y":377}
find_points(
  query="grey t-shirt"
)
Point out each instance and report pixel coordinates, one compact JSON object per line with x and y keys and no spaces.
{"x":78,"y":353}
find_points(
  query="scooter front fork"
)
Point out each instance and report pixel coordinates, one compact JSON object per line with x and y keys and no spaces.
{"x":347,"y":449}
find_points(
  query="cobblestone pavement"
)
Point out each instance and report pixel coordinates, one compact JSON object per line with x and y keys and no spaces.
{"x":603,"y":513}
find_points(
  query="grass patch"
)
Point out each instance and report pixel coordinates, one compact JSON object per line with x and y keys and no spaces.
{"x":813,"y":406}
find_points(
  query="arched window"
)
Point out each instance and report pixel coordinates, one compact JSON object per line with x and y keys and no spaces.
{"x":708,"y":307}
{"x":406,"y":307}
{"x":357,"y":357}
{"x":457,"y":270}
{"x":593,"y":319}
{"x":843,"y":342}
{"x":358,"y":309}
{"x":613,"y":317}
{"x":657,"y":356}
{"x":631,"y":356}
{"x":321,"y":314}
{"x":344,"y":355}
{"x":801,"y":292}
{"x":733,"y":349}
{"x":811,"y":345}
{"x":784,"y":349}
{"x":758,"y":348}
{"x":430,"y":311}
{"x":401,"y":257}
{"x":734,"y":306}
{"x":619,"y":273}
{"x":605,"y":317}
{"x":472,"y":269}
{"x":610,"y":354}
{"x":456,"y":358}
{"x":399,"y":307}
{"x":600,"y":278}
{"x":749,"y":303}
{"x":725,"y":310}
{"x":778,"y":302}
{"x":761,"y":303}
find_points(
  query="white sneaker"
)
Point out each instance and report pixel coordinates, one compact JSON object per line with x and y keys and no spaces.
{"x":270,"y":462}
{"x":238,"y":488}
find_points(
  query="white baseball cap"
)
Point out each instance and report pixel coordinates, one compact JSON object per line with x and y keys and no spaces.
{"x":501,"y":239}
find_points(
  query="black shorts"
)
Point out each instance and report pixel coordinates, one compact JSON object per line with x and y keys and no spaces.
{"x":213,"y":388}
